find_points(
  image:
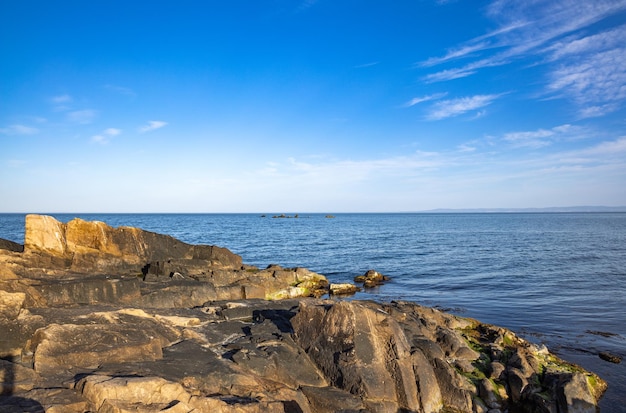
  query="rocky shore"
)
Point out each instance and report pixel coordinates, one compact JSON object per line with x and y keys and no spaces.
{"x":113,"y":320}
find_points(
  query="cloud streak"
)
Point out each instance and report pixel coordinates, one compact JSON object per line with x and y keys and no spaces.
{"x":19,"y":130}
{"x":152,"y":125}
{"x":455,"y":107}
{"x":542,"y":137}
{"x":423,"y":99}
{"x":121,"y":90}
{"x":82,"y":117}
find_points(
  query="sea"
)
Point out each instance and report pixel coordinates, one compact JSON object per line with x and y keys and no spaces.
{"x":557,"y":279}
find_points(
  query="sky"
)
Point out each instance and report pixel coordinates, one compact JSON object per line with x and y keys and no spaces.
{"x":311,"y":105}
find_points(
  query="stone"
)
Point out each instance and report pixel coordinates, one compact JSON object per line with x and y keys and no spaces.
{"x":66,"y":346}
{"x":575,"y":396}
{"x":517,"y":382}
{"x":343,"y":289}
{"x":5,"y":244}
{"x":371,"y":279}
{"x":489,"y":394}
{"x":331,"y":400}
{"x":15,"y":377}
{"x":44,"y":233}
{"x":11,"y":304}
{"x":495,"y":370}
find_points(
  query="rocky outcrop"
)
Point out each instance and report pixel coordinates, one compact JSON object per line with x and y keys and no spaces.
{"x":194,"y":340}
{"x":95,"y":247}
{"x":87,"y":263}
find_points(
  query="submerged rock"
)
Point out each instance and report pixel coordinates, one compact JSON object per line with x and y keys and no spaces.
{"x":610,"y":357}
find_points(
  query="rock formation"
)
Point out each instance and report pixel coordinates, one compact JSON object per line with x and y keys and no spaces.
{"x":97,"y":319}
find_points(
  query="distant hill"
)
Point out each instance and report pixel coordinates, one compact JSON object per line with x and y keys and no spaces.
{"x":549,"y":209}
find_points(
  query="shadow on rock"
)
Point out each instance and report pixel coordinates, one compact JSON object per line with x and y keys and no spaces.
{"x":9,"y":402}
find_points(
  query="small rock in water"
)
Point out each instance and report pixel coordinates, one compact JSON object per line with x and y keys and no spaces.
{"x":371,"y":279}
{"x":611,"y":358}
{"x":343,"y":289}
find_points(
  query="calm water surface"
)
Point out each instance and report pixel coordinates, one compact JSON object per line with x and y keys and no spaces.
{"x":553,"y":278}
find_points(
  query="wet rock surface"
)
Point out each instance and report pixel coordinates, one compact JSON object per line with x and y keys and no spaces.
{"x":205,"y":339}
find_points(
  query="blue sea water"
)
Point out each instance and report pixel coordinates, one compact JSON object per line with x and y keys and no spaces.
{"x":554,"y":278}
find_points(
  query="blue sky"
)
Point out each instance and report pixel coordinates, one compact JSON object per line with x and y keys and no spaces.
{"x":311,"y":106}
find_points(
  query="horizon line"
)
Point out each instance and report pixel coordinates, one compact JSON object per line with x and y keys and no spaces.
{"x":581,"y":208}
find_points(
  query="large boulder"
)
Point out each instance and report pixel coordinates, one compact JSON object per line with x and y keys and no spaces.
{"x":96,"y":247}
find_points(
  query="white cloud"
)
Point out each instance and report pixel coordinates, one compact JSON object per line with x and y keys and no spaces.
{"x":449,"y":74}
{"x":62,"y":99}
{"x":112,"y":132}
{"x":596,"y":81}
{"x":84,"y":116}
{"x":615,"y":148}
{"x":105,"y":136}
{"x":454,"y":107}
{"x":152,"y":125}
{"x":574,"y":45}
{"x":466,"y":148}
{"x":545,"y":137}
{"x":535,"y":139}
{"x":19,"y":130}
{"x":588,"y":68}
{"x":61,"y":103}
{"x":422,"y":99}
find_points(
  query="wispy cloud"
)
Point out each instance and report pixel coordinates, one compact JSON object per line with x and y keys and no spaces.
{"x":459,"y":176}
{"x":84,"y":116}
{"x":61,"y":99}
{"x":105,"y":137}
{"x":19,"y":130}
{"x":454,"y":107}
{"x":596,"y":81}
{"x":575,"y":45}
{"x":426,"y":98}
{"x":590,"y":69}
{"x":543,"y":137}
{"x":61,"y":103}
{"x":305,"y":4}
{"x":461,"y":52}
{"x":121,"y":90}
{"x":364,"y":65}
{"x":152,"y":125}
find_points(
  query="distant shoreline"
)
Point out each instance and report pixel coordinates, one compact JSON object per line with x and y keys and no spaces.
{"x":527,"y":210}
